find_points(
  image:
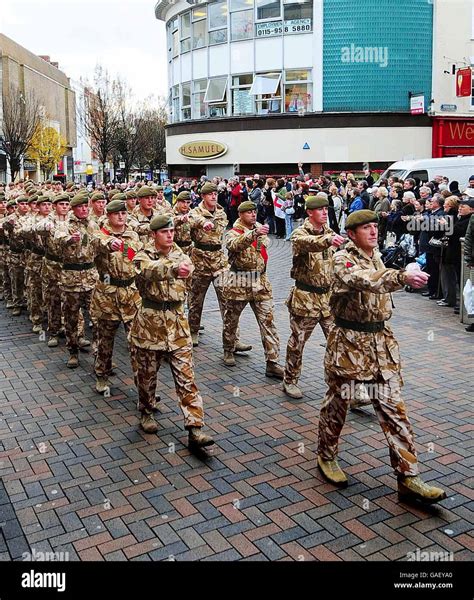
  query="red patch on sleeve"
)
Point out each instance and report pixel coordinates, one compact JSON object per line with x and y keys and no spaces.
{"x":349,"y":264}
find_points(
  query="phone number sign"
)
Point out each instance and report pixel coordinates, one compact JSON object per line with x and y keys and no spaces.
{"x":277,"y":28}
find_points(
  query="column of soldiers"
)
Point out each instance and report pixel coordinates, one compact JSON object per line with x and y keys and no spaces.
{"x":139,"y":261}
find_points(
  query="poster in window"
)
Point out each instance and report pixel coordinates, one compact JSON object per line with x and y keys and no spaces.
{"x":298,"y":26}
{"x":243,"y":102}
{"x":268,"y":29}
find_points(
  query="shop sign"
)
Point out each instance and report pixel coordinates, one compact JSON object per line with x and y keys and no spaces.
{"x":268,"y":29}
{"x":203,"y":150}
{"x":298,"y":26}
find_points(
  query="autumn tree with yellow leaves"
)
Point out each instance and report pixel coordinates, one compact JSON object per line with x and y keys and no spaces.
{"x":47,"y":147}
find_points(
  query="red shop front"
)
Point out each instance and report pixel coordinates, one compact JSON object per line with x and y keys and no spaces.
{"x":453,"y":136}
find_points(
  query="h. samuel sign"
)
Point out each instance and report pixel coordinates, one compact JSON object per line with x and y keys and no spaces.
{"x":203,"y":150}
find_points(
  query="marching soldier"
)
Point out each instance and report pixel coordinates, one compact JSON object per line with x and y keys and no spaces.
{"x":97,"y":211}
{"x":313,"y":246}
{"x":13,"y":224}
{"x":208,"y":224}
{"x":162,"y":207}
{"x":131,"y":201}
{"x":78,"y":243}
{"x":144,"y":213}
{"x":115,"y":298}
{"x":247,"y":282}
{"x":160,"y":329}
{"x":182,"y":227}
{"x":3,"y":243}
{"x":361,"y":347}
{"x":7,"y":282}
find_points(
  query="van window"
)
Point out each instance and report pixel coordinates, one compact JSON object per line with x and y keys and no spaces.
{"x":421,"y":175}
{"x":393,"y":173}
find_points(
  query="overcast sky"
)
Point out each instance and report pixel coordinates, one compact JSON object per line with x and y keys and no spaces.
{"x":122,"y":35}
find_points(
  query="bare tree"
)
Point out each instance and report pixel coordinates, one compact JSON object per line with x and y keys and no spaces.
{"x":21,"y":117}
{"x":99,"y":114}
{"x":152,"y":142}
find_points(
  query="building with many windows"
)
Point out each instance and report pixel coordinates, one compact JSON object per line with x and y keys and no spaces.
{"x":260,"y":85}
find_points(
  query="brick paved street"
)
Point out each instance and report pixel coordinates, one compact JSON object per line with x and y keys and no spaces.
{"x":77,"y":475}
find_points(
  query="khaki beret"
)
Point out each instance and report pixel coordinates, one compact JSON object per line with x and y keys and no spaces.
{"x":146,"y":192}
{"x":33,"y":198}
{"x":162,"y":222}
{"x":246,"y":206}
{"x":208,"y":188}
{"x":131,"y":194}
{"x":98,"y":196}
{"x":116,"y":205}
{"x":361,"y":217}
{"x":11,"y":203}
{"x":159,"y":188}
{"x":64,"y":197}
{"x":70,"y":185}
{"x":44,"y":198}
{"x":22,"y":199}
{"x":184,"y":196}
{"x":318,"y":201}
{"x":79,"y":199}
{"x":120,"y":196}
{"x":113,"y":192}
{"x":2,"y":195}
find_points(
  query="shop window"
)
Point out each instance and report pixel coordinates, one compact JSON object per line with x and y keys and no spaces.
{"x":298,"y":91}
{"x":217,"y":15}
{"x":185,"y":101}
{"x":267,"y":91}
{"x":268,"y":9}
{"x":215,"y":97}
{"x":241,"y":25}
{"x":199,"y":91}
{"x":242,"y":99}
{"x":185,"y":32}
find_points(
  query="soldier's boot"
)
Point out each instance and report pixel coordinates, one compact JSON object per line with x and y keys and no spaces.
{"x":73,"y":361}
{"x":274,"y":370}
{"x":198,"y":439}
{"x":195,"y":338}
{"x":37,"y":329}
{"x":332,"y":472}
{"x":239,"y":347}
{"x":16,"y":312}
{"x":82,"y":342}
{"x":102,"y":385}
{"x":414,"y":488}
{"x":292,"y":390}
{"x":53,"y":342}
{"x":229,"y":359}
{"x":148,"y":423}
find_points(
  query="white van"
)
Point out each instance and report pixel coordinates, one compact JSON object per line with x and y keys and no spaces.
{"x":458,"y":168}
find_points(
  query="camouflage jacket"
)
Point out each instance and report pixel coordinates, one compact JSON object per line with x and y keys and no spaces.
{"x":153,"y":328}
{"x":247,"y":279}
{"x":109,"y":300}
{"x":12,"y":225}
{"x":51,"y":243}
{"x":361,"y":293}
{"x":140,"y":223}
{"x":312,"y":265}
{"x":208,"y":262}
{"x":98,"y":220}
{"x":83,"y":251}
{"x":33,"y":242}
{"x":163,"y":208}
{"x":182,"y":232}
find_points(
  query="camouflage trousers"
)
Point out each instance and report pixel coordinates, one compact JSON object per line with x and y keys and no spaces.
{"x":2,"y":265}
{"x":263,"y":311}
{"x":301,"y":329}
{"x":7,"y":282}
{"x":106,"y":331}
{"x":52,"y":300}
{"x":391,"y":413}
{"x":199,"y":286}
{"x":73,"y":302}
{"x":17,"y":276}
{"x":36,"y":298}
{"x":181,"y":364}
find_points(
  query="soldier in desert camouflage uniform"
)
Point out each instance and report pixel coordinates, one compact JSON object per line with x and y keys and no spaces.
{"x":208,"y":224}
{"x":97,"y":208}
{"x":115,"y":298}
{"x":162,"y":207}
{"x":308,"y":303}
{"x":361,"y":347}
{"x":131,"y":201}
{"x":182,"y":227}
{"x":160,"y":329}
{"x":247,"y":282}
{"x":79,"y":275}
{"x":143,"y":214}
{"x":5,"y":232}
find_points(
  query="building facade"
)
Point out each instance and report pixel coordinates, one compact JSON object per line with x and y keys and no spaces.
{"x":328,"y":83}
{"x":27,"y":72}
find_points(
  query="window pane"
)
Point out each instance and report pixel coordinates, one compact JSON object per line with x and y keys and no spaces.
{"x":199,"y":34}
{"x":268,"y":9}
{"x":265,"y":84}
{"x":186,"y":45}
{"x":216,"y":90}
{"x":174,"y":24}
{"x":242,"y":102}
{"x":200,"y":86}
{"x":217,"y":37}
{"x":297,"y":97}
{"x":297,"y":75}
{"x":186,"y":94}
{"x":268,"y":105}
{"x":240,"y":4}
{"x":199,"y":13}
{"x":242,"y":80}
{"x":186,"y":114}
{"x":298,"y":11}
{"x":217,"y":110}
{"x":175,"y":44}
{"x":217,"y":15}
{"x":241,"y":27}
{"x":185,"y":25}
{"x":199,"y":106}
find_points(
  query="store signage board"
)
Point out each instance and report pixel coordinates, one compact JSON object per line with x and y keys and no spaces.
{"x":417,"y":105}
{"x":202,"y":150}
{"x":271,"y":28}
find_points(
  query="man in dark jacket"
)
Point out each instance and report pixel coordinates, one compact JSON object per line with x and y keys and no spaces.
{"x":432,"y":229}
{"x":469,"y":248}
